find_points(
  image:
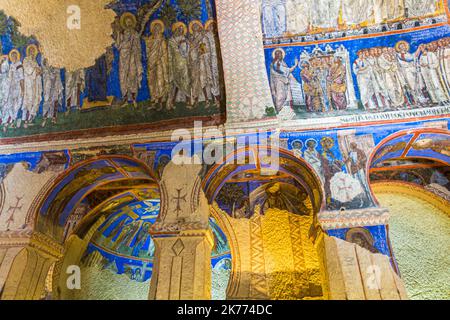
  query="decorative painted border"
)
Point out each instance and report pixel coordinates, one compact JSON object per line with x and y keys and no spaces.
{"x":172,"y":124}
{"x":353,"y":218}
{"x":333,"y":36}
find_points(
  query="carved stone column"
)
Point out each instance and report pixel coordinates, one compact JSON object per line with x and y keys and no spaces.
{"x":24,"y":266}
{"x":182,"y":267}
{"x":246,"y":80}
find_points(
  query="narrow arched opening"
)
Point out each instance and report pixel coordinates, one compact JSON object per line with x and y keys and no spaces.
{"x":270,"y":218}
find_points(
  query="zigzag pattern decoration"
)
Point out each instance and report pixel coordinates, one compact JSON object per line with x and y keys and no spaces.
{"x":258,"y":282}
{"x":300,"y":275}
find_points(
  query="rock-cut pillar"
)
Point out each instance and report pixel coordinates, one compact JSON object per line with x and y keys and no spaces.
{"x":183,"y":241}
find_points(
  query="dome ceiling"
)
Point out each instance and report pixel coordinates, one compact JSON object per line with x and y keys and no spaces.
{"x":126,"y":246}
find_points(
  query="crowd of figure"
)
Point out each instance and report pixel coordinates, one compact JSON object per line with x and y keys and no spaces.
{"x":327,"y":165}
{"x":393,"y":78}
{"x":388,"y":78}
{"x":284,"y":17}
{"x":323,"y":82}
{"x":24,"y":85}
{"x":183,"y":68}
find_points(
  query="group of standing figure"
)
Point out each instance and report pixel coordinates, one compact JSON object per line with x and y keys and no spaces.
{"x":289,"y":17}
{"x":24,"y":85}
{"x":183,"y":68}
{"x":323,"y":78}
{"x":394,"y":78}
{"x":327,"y":165}
{"x":324,"y":84}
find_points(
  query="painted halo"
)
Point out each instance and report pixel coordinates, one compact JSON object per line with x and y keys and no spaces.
{"x":209,"y":22}
{"x":125,"y":17}
{"x":14,"y":51}
{"x":363,"y":232}
{"x":297,"y":141}
{"x":311,"y":140}
{"x":177,"y":25}
{"x":400,"y":43}
{"x":325,"y":140}
{"x":32,"y":46}
{"x":157,"y":22}
{"x":283,"y":53}
{"x":193,"y":23}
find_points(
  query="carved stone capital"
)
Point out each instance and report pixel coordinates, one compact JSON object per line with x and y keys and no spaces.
{"x":47,"y":245}
{"x":177,"y":228}
{"x":353,"y":218}
{"x":38,"y":241}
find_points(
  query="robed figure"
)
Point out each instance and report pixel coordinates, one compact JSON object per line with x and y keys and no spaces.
{"x":280,"y":79}
{"x":53,"y":92}
{"x":178,"y":66}
{"x":337,"y":84}
{"x":4,"y":82}
{"x":15,"y":90}
{"x":202,"y":75}
{"x":158,"y":63}
{"x":33,"y":85}
{"x":213,"y":41}
{"x":130,"y":64}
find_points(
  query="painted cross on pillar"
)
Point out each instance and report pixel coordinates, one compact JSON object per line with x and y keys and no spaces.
{"x":13,"y":210}
{"x":178,"y":198}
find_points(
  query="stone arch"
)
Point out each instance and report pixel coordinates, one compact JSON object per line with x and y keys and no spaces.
{"x":288,"y":163}
{"x":106,"y":180}
{"x":78,"y":242}
{"x":246,"y":281}
{"x":401,"y":153}
{"x":424,"y":143}
{"x":231,"y":237}
{"x":84,"y":179}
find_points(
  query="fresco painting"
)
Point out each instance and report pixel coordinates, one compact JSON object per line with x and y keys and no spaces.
{"x":339,"y":160}
{"x":126,"y":247}
{"x":431,"y":146}
{"x":164,"y":64}
{"x":291,"y":19}
{"x":25,"y":173}
{"x":419,"y":172}
{"x":122,"y":244}
{"x":334,"y":78}
{"x":392,"y":149}
{"x":373,"y":238}
{"x":242,"y":199}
